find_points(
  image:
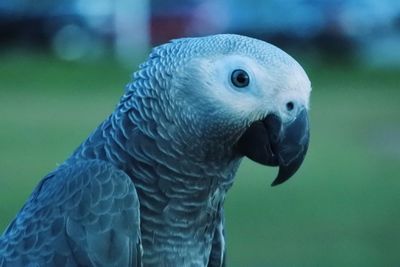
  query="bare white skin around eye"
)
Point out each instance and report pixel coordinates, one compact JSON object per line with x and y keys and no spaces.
{"x":269,"y":88}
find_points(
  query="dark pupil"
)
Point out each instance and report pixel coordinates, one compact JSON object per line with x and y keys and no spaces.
{"x":240,"y":78}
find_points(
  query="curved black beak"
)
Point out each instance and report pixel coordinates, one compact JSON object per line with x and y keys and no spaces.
{"x":273,"y":143}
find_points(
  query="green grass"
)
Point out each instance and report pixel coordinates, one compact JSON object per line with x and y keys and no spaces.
{"x":341,"y":208}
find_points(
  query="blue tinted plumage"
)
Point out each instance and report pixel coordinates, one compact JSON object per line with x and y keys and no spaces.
{"x":148,"y":185}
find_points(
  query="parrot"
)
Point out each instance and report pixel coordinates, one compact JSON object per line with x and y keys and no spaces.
{"x":147,"y":187}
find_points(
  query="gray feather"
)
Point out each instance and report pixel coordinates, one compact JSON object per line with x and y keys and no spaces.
{"x":155,"y":173}
{"x":81,"y":215}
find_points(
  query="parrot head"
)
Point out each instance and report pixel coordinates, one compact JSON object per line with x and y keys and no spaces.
{"x":239,"y":96}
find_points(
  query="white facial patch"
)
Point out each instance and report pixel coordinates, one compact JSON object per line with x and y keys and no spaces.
{"x":209,"y":82}
{"x":241,"y":101}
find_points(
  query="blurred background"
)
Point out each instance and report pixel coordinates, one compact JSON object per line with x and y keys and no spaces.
{"x":64,"y":64}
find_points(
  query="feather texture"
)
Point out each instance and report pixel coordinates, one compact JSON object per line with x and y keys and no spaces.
{"x":147,"y":187}
{"x":81,"y":215}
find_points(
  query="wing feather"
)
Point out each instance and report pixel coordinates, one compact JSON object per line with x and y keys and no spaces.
{"x":85,"y":214}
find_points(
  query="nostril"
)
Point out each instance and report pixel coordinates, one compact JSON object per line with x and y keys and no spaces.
{"x":290,"y":106}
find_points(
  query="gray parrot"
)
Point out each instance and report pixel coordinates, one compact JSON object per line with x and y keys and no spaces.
{"x":147,"y":187}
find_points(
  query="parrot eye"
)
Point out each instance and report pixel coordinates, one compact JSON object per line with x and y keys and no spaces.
{"x":240,"y":78}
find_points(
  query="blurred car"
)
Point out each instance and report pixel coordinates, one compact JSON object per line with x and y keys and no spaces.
{"x":334,"y":27}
